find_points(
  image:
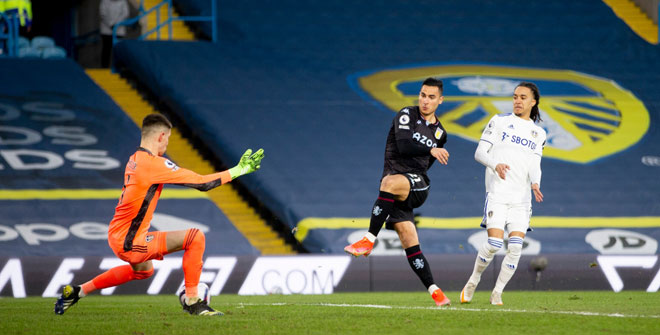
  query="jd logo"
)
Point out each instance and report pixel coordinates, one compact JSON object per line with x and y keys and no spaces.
{"x":621,"y":242}
{"x":586,"y":117}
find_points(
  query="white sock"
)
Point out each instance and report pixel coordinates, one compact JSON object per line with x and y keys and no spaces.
{"x":191,"y":300}
{"x":432,"y":288}
{"x":510,"y":263}
{"x":484,"y":257}
{"x":81,"y":293}
{"x":371,"y":237}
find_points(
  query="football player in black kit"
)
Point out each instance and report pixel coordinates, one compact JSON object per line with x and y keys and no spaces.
{"x":415,"y":141}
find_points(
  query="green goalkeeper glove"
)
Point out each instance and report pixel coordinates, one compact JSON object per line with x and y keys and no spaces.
{"x":249,"y":163}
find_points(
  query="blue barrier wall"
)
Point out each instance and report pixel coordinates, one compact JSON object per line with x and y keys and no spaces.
{"x":52,"y":108}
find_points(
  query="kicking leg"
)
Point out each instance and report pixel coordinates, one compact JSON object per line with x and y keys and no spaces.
{"x":418,"y":263}
{"x":392,"y":187}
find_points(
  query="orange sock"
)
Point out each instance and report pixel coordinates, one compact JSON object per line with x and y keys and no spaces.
{"x":194,"y":244}
{"x":114,"y":277}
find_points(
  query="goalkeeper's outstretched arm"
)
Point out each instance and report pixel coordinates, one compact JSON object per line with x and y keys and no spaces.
{"x":248,"y":163}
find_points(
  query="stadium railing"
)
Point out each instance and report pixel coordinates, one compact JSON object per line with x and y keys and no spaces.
{"x":10,"y":22}
{"x":165,"y":23}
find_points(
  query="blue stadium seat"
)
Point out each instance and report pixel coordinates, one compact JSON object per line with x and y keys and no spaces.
{"x":54,"y":52}
{"x":23,"y":42}
{"x":29,"y":52}
{"x":42,"y":42}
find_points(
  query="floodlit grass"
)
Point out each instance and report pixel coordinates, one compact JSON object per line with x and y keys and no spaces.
{"x":592,"y":312}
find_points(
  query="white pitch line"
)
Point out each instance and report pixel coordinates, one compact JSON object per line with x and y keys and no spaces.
{"x":612,"y":315}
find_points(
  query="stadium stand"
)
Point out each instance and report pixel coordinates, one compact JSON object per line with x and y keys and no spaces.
{"x":226,"y":198}
{"x":317,"y":84}
{"x":39,"y":47}
{"x":63,"y":147}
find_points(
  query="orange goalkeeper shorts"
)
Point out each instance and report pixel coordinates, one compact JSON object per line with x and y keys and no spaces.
{"x":152,"y":245}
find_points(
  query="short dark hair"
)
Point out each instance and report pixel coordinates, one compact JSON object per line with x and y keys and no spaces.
{"x":535,"y":115}
{"x":430,"y":81}
{"x":153,"y":121}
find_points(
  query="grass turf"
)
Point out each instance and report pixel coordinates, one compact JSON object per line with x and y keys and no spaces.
{"x":590,"y":312}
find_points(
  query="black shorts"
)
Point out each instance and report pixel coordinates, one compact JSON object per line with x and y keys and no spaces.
{"x":403,"y":210}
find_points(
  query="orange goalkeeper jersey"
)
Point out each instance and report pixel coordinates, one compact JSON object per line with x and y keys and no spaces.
{"x":144,"y":178}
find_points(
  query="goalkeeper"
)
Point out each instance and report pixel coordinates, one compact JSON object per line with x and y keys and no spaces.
{"x":128,"y":236}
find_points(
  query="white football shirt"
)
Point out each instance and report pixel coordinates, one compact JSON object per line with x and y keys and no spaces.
{"x":515,"y":142}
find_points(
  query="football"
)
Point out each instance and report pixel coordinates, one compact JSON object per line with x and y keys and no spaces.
{"x":202,"y":290}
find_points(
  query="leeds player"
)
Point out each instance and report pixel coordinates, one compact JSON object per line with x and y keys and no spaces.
{"x":414,"y":143}
{"x":510,"y":147}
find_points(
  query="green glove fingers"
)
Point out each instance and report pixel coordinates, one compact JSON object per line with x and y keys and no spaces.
{"x":255,"y":159}
{"x":248,"y":163}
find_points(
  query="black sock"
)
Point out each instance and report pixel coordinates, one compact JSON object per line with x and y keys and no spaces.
{"x":380,"y":212}
{"x":419,"y":264}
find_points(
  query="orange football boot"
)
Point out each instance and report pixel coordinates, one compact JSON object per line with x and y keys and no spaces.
{"x":440,"y":298}
{"x":362,"y":247}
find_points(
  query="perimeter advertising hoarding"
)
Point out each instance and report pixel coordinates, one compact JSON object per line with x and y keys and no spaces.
{"x":250,"y":275}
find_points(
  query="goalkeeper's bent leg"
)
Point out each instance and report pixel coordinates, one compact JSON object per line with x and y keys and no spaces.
{"x":114,"y":277}
{"x":194,"y":245}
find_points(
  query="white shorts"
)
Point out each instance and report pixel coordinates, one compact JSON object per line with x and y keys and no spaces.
{"x":506,"y":216}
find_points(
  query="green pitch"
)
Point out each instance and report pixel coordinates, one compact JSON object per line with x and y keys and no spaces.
{"x":602,"y":312}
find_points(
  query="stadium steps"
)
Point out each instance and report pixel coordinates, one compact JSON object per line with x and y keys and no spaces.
{"x":244,"y":218}
{"x":635,"y":18}
{"x":180,"y":31}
